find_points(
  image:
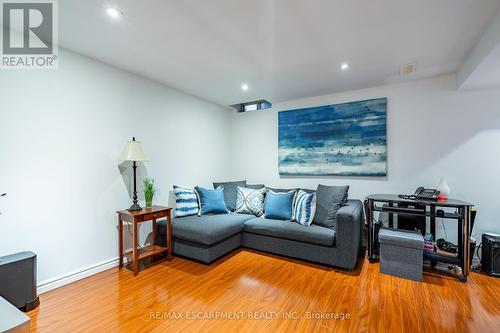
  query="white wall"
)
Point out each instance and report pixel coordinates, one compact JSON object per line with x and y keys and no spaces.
{"x":61,"y":134}
{"x":433,"y":130}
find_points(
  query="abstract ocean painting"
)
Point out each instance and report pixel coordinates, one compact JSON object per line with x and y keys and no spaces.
{"x":347,"y":139}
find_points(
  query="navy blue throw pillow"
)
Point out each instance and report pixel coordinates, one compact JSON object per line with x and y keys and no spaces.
{"x":279,"y":206}
{"x":211,"y":201}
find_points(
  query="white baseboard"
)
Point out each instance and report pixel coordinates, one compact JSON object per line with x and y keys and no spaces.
{"x":62,"y":280}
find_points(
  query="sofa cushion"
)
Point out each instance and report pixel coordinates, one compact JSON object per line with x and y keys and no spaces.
{"x":211,"y":201}
{"x":255,"y":186}
{"x":208,"y":229}
{"x":279,"y":205}
{"x":313,"y":234}
{"x":230,"y":192}
{"x":186,"y":201}
{"x":304,"y":208}
{"x":329,"y":199}
{"x":250,"y":201}
{"x":281,"y":190}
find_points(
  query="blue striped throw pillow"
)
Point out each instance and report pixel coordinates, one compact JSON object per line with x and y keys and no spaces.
{"x":305,"y":207}
{"x":186,"y":202}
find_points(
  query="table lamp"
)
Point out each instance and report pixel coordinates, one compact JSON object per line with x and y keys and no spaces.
{"x":133,"y":152}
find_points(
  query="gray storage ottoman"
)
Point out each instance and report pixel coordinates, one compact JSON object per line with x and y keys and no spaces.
{"x":401,"y":253}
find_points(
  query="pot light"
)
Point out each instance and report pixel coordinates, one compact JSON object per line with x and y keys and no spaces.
{"x":114,"y":13}
{"x":244,"y":87}
{"x":344,"y":66}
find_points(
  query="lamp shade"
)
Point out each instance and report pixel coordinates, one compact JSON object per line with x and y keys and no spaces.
{"x":133,"y":152}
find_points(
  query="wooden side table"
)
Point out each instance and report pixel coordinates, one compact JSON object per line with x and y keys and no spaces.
{"x":136,"y":217}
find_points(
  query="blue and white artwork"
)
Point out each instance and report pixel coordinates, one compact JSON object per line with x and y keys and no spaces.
{"x":346,"y":139}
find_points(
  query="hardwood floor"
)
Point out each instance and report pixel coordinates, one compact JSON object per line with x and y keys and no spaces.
{"x":268,"y":294}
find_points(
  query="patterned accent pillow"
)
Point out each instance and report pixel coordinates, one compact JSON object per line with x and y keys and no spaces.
{"x":186,"y":202}
{"x":250,"y":201}
{"x":305,"y":207}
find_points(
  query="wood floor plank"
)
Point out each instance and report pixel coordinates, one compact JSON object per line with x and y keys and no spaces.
{"x":249,"y":291}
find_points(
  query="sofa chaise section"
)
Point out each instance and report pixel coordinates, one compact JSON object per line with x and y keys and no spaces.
{"x":205,"y":238}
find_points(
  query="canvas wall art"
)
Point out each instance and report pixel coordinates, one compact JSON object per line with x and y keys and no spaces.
{"x":347,"y":139}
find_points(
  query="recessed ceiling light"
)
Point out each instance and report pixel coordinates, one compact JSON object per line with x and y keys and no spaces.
{"x":344,"y":66}
{"x":114,"y":13}
{"x":244,"y":87}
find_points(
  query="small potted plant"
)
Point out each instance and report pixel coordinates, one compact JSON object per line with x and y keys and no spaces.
{"x":149,"y":191}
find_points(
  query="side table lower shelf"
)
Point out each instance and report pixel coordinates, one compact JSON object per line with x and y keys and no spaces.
{"x":146,"y":252}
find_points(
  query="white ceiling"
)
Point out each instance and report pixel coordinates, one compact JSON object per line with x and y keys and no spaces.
{"x":481,"y":69}
{"x":487,"y":74}
{"x":284,"y":49}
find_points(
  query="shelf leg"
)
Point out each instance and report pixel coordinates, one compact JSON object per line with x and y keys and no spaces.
{"x":120,"y":242}
{"x":135,"y":250}
{"x":466,"y":241}
{"x":369,"y":220}
{"x":169,"y":236}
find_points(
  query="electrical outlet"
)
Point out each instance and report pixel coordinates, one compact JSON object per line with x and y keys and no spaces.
{"x":407,"y":69}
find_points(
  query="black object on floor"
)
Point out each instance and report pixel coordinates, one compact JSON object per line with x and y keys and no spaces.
{"x":446,"y":246}
{"x":18,"y":280}
{"x":490,"y":257}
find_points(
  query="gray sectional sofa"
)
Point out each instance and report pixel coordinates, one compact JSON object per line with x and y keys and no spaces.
{"x":209,"y":237}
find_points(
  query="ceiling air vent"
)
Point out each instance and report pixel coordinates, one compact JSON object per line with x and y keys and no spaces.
{"x":407,"y":69}
{"x":252,"y":106}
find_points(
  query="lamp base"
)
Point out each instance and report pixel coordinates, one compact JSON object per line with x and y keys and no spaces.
{"x":135,"y":207}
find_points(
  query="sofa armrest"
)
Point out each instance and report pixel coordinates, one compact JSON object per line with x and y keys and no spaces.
{"x":349,"y":222}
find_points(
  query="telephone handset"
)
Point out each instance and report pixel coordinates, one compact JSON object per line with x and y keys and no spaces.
{"x":426,"y":193}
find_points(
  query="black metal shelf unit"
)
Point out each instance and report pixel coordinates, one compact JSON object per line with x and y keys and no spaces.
{"x":393,"y":204}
